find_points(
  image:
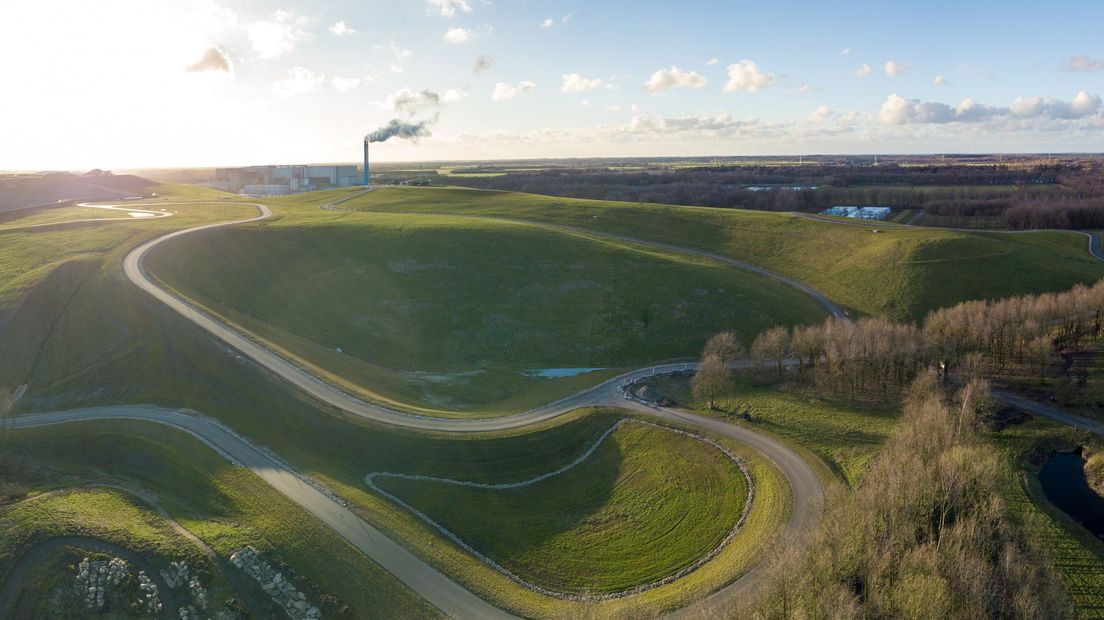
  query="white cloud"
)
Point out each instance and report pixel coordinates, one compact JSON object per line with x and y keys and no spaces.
{"x":575,"y":83}
{"x":504,"y":91}
{"x":863,"y":70}
{"x":820,"y":115}
{"x":613,"y":108}
{"x":746,"y":76}
{"x":455,"y":95}
{"x":900,"y":111}
{"x":1084,"y":64}
{"x":448,"y":8}
{"x":939,"y":80}
{"x":674,"y":77}
{"x":712,"y":61}
{"x":459,"y":35}
{"x":463,"y":35}
{"x":1081,"y":106}
{"x":585,"y":103}
{"x":807,"y":88}
{"x":549,"y":22}
{"x":845,"y":51}
{"x":299,"y":80}
{"x":397,"y":55}
{"x":895,"y":68}
{"x":342,"y":29}
{"x":278,"y":34}
{"x":344,"y":84}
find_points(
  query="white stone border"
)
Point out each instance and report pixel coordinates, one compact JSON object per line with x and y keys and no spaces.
{"x":370,"y":480}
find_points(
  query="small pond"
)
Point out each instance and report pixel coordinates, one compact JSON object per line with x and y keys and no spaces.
{"x":558,"y":373}
{"x":1064,"y":483}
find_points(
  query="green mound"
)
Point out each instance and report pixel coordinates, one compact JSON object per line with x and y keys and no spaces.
{"x":449,"y":313}
{"x":900,"y":272}
{"x":647,"y":503}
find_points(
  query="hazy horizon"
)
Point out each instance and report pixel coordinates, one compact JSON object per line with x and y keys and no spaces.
{"x":159,"y":84}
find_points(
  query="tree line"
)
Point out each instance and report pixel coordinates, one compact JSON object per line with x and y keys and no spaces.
{"x":875,"y":357}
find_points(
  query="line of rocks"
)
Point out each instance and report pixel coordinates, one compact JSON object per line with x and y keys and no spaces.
{"x":276,"y":586}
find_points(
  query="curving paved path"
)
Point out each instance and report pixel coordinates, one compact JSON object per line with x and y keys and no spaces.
{"x":147,"y":215}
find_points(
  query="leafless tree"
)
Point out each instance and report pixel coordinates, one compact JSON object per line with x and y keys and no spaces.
{"x":712,"y":381}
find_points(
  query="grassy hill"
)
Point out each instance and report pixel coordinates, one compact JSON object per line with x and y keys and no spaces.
{"x":622,"y":518}
{"x":900,"y":272}
{"x":448,"y":312}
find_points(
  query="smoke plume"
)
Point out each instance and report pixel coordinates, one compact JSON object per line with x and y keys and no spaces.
{"x":399,"y":129}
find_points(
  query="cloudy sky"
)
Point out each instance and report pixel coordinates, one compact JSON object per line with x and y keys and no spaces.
{"x":130,"y":83}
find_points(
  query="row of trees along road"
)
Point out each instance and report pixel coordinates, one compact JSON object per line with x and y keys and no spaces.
{"x":874,"y":357}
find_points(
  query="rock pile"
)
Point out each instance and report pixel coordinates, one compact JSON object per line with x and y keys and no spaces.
{"x":149,"y":600}
{"x":279,"y":589}
{"x":176,"y":574}
{"x":95,"y":577}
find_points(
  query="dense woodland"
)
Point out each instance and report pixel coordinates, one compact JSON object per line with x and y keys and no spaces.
{"x":1066,"y":194}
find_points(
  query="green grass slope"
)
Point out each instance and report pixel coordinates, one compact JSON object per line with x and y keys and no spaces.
{"x":900,"y":272}
{"x":227,"y":507}
{"x":647,"y":503}
{"x":447,"y":313}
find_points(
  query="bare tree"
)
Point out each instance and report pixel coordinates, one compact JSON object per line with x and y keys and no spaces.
{"x":772,"y":346}
{"x":1039,"y":351}
{"x":725,"y":346}
{"x":712,"y":380}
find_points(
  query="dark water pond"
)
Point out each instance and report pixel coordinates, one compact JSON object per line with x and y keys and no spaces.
{"x":1064,"y":483}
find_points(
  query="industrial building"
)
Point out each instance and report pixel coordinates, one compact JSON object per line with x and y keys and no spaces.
{"x":270,"y":180}
{"x":862,"y":213}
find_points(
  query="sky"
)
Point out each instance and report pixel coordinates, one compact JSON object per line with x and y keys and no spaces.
{"x":174,"y":83}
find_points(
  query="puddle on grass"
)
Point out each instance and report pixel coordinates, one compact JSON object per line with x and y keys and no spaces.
{"x":138,"y":214}
{"x":557,"y":373}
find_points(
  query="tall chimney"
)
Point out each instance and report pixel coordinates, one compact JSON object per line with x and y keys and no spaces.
{"x":365,"y":163}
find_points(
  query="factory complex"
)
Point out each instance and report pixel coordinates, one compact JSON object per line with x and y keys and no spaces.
{"x":274,"y":180}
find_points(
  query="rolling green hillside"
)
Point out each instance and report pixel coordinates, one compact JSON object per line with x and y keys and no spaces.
{"x":900,"y":272}
{"x":448,"y":313}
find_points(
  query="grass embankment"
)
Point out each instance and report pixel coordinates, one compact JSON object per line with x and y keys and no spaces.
{"x":843,"y":436}
{"x":446,"y":313}
{"x":227,"y":507}
{"x":901,"y":272}
{"x":647,"y":503}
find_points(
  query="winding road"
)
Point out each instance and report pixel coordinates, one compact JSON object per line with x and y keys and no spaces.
{"x":434,"y":586}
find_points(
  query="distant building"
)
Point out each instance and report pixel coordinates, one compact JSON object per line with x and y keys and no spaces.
{"x":862,"y":213}
{"x":283,"y":179}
